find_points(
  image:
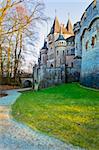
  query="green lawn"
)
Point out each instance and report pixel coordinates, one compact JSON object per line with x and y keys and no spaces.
{"x":67,"y":112}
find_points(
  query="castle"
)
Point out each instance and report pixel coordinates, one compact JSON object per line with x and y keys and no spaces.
{"x":71,"y":53}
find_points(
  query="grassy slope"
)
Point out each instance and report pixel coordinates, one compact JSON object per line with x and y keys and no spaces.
{"x":68,"y":112}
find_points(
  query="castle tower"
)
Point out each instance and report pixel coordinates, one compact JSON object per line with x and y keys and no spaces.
{"x":60,"y":45}
{"x":43,"y":54}
{"x":52,"y":36}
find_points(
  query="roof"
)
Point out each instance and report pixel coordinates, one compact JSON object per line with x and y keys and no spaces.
{"x":69,"y":26}
{"x":60,"y":38}
{"x":45,"y":45}
{"x":55,"y":27}
{"x":70,"y":39}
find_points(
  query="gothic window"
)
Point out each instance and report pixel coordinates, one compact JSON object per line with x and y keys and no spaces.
{"x":93,"y":42}
{"x":63,"y":53}
{"x":51,"y":65}
{"x":86,"y":46}
{"x":57,"y":52}
{"x":72,"y":64}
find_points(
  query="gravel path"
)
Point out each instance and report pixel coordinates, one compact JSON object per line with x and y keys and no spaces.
{"x":16,"y":136}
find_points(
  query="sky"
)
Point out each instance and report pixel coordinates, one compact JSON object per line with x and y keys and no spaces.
{"x":75,"y":9}
{"x":60,"y":8}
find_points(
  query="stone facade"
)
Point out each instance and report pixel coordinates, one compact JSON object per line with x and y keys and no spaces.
{"x":87,"y":36}
{"x":56,"y":61}
{"x":71,"y":55}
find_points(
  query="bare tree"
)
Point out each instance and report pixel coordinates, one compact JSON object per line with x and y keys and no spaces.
{"x":19,"y":20}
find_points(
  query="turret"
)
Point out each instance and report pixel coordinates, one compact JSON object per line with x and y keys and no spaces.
{"x":60,"y":45}
{"x":43,"y":54}
{"x":77,"y":40}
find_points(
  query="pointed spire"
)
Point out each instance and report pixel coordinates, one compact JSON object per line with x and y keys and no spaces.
{"x":61,"y":29}
{"x":69,"y":25}
{"x":45,"y":44}
{"x":56,"y":26}
{"x":55,"y":12}
{"x":68,"y":16}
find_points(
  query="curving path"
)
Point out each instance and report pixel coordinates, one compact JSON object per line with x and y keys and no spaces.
{"x":16,"y":136}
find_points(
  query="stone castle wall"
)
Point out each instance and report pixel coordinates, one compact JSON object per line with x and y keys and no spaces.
{"x":53,"y":76}
{"x":89,"y":41}
{"x":83,"y":64}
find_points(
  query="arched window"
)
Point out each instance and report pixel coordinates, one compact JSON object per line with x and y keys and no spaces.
{"x":93,"y":42}
{"x":72,"y":65}
{"x":57,"y":52}
{"x":63,"y":53}
{"x":51,"y":65}
{"x":86,"y":46}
